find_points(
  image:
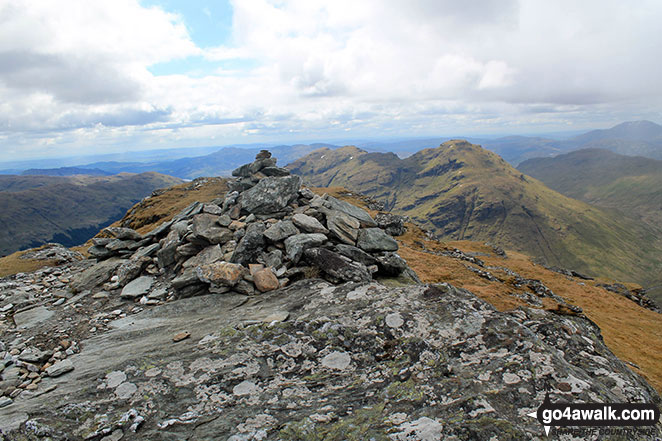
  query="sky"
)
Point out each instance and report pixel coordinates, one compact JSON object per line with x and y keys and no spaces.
{"x":80,"y":76}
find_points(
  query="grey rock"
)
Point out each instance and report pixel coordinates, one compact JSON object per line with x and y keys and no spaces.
{"x":115,"y":378}
{"x":100,"y":252}
{"x":123,"y":233}
{"x":375,"y":239}
{"x":243,"y":171}
{"x":393,"y":224}
{"x":187,"y":277}
{"x":260,"y":164}
{"x":95,"y":275}
{"x":297,"y":244}
{"x":342,"y":226}
{"x":131,"y":269}
{"x":308,"y":224}
{"x":351,"y":210}
{"x":101,"y":241}
{"x":224,"y":220}
{"x":119,"y":244}
{"x":273,"y":259}
{"x":423,"y":429}
{"x":281,"y":230}
{"x":146,"y":251}
{"x":391,"y":264}
{"x":34,"y":355}
{"x":212,"y":209}
{"x":270,"y":195}
{"x":356,"y":254}
{"x":306,"y":193}
{"x":125,"y":390}
{"x":5,"y":401}
{"x":250,"y":246}
{"x":337,"y":360}
{"x":168,"y":249}
{"x":60,"y":368}
{"x":209,"y":255}
{"x":275,"y":171}
{"x":206,"y":226}
{"x":32,"y":317}
{"x":161,"y":229}
{"x":138,"y":287}
{"x":187,"y":250}
{"x":338,"y":267}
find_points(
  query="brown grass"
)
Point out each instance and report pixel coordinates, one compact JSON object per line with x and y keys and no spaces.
{"x":13,"y":264}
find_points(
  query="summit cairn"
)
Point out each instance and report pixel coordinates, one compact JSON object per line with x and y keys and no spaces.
{"x":265,"y":233}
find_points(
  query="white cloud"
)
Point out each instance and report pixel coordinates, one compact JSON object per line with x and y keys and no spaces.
{"x":321,"y":68}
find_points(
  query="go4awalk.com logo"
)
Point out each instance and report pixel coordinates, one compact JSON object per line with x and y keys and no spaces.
{"x":598,"y":418}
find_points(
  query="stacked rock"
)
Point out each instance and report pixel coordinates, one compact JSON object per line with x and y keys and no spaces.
{"x":266,"y":232}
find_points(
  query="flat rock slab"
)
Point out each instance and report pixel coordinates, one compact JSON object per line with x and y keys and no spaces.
{"x":31,"y":317}
{"x":60,"y":368}
{"x":138,"y":287}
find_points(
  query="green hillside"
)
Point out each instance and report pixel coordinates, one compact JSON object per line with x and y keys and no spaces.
{"x":629,"y":184}
{"x":41,"y":209}
{"x":462,"y":191}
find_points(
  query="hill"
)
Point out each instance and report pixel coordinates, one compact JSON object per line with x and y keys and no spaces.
{"x":317,"y":355}
{"x":461,"y":191}
{"x":633,"y":138}
{"x":628,"y":184}
{"x":67,"y":210}
{"x":65,"y":171}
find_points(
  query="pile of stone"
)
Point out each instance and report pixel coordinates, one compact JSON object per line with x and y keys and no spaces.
{"x":267,"y":232}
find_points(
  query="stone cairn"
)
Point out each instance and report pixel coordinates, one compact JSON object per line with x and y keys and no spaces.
{"x":266,"y":232}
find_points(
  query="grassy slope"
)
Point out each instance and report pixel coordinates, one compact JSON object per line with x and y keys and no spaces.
{"x":631,"y":185}
{"x":60,"y":208}
{"x":462,"y":191}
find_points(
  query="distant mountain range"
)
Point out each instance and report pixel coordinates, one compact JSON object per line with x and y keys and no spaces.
{"x":68,"y":210}
{"x":643,"y":138}
{"x":462,"y":191}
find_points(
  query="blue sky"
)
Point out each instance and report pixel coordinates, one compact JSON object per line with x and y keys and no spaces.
{"x":81,"y":77}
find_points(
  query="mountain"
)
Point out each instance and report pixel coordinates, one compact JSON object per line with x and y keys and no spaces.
{"x":462,"y":191}
{"x":219,"y":163}
{"x":634,"y":138}
{"x":65,"y":171}
{"x":265,"y":330}
{"x":630,"y":184}
{"x":68,"y":210}
{"x":516,"y":149}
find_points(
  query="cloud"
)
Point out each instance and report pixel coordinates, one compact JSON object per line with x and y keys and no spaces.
{"x":323,"y":69}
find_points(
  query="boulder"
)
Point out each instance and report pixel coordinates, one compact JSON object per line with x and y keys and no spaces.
{"x":308,"y":224}
{"x":393,"y":224}
{"x":137,"y":288}
{"x":211,"y":254}
{"x":343,"y":226}
{"x":297,"y":244}
{"x":250,"y":246}
{"x":221,"y":273}
{"x":265,"y":280}
{"x":95,"y":275}
{"x":206,"y":226}
{"x":338,"y":267}
{"x":123,"y":233}
{"x":281,"y":230}
{"x":167,"y":252}
{"x":351,"y":210}
{"x":356,"y":254}
{"x":375,"y":239}
{"x":270,"y":195}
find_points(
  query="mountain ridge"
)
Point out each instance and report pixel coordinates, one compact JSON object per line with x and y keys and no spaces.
{"x":462,"y":191}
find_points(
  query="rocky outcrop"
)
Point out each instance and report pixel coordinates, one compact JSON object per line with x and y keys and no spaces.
{"x":267,"y":219}
{"x":227,"y":323}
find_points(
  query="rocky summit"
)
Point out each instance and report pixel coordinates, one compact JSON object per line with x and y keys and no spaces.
{"x":274,"y":313}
